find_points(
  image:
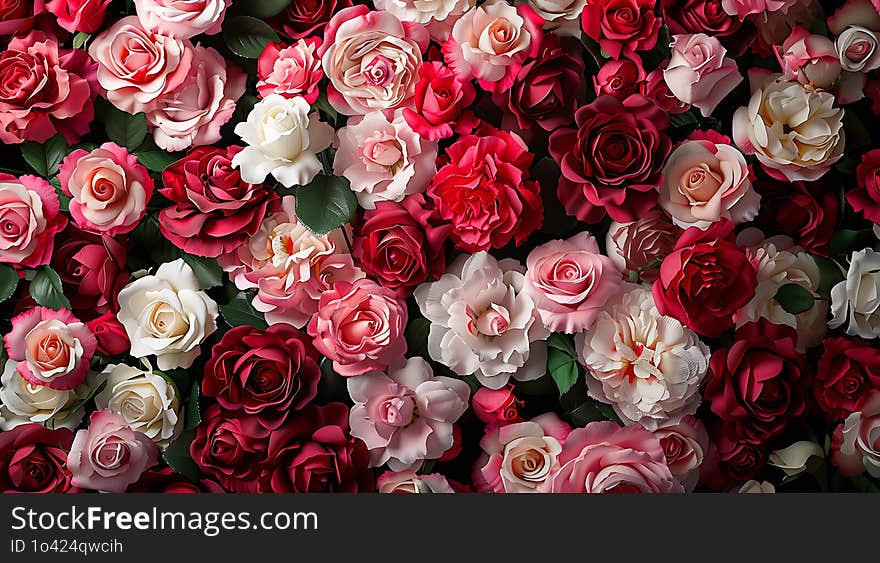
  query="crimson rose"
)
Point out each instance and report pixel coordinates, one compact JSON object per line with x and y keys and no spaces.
{"x":33,"y":459}
{"x":621,"y":26}
{"x":165,"y":480}
{"x":865,"y":198}
{"x":807,"y":212}
{"x":698,"y":16}
{"x":847,"y":371}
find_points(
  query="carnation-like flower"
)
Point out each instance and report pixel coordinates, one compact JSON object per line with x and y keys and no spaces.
{"x":855,"y":301}
{"x":290,"y":71}
{"x":482,"y":321}
{"x":22,"y":402}
{"x":405,"y":415}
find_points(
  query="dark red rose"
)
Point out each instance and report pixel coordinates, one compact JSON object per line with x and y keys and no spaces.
{"x":620,"y":78}
{"x":758,"y":384}
{"x":865,"y":198}
{"x":254,"y":370}
{"x":612,"y":161}
{"x":698,"y":16}
{"x":705,"y":279}
{"x":314,"y":452}
{"x":303,"y":18}
{"x":92,"y":271}
{"x":165,"y":480}
{"x":17,"y":16}
{"x":400,"y":245}
{"x":622,"y":26}
{"x":231,"y":447}
{"x":33,"y":459}
{"x":733,"y":461}
{"x":805,"y":211}
{"x":216,"y":211}
{"x":485,"y":191}
{"x":848,"y":370}
{"x":441,"y":103}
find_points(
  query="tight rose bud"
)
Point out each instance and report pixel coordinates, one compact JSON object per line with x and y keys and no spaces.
{"x":496,"y":406}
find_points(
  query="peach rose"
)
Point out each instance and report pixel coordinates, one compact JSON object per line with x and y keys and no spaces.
{"x":182,"y":18}
{"x":29,"y":218}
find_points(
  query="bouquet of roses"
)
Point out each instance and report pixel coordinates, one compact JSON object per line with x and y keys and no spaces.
{"x":439,"y":246}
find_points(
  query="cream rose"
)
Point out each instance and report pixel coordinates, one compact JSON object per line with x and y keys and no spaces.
{"x":563,"y":16}
{"x":22,"y":402}
{"x":182,"y":18}
{"x":855,"y":302}
{"x":437,"y":16}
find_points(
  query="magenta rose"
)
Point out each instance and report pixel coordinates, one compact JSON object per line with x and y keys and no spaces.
{"x":620,"y":78}
{"x":30,"y":216}
{"x":622,"y":26}
{"x":699,"y":16}
{"x":33,"y":459}
{"x":86,"y":16}
{"x":865,"y":197}
{"x":496,"y":406}
{"x":805,"y":211}
{"x":17,"y":16}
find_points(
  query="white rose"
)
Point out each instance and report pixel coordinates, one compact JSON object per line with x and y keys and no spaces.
{"x":437,"y":16}
{"x":564,"y":16}
{"x":182,"y":18}
{"x":793,"y":459}
{"x":753,"y":486}
{"x":855,"y":300}
{"x":147,"y":402}
{"x":22,"y":402}
{"x":166,"y":314}
{"x":283,"y":140}
{"x":857,"y":49}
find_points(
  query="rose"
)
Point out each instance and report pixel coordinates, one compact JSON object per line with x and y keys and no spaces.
{"x":307,"y":17}
{"x":166,"y":314}
{"x":705,"y":181}
{"x":108,"y":455}
{"x":290,"y":71}
{"x":44,"y":90}
{"x":165,"y":480}
{"x":561,"y":16}
{"x":865,"y":198}
{"x":612,"y":161}
{"x":359,"y":326}
{"x":570,"y":282}
{"x":805,"y":212}
{"x":735,"y":459}
{"x":257,"y":370}
{"x":757,"y":385}
{"x":192,"y":113}
{"x":705,"y":280}
{"x":51,"y":347}
{"x":109,"y":190}
{"x":855,"y":447}
{"x":182,"y":19}
{"x":383,"y":158}
{"x":437,"y":17}
{"x":283,"y":140}
{"x":215,"y":211}
{"x":699,"y":73}
{"x":794,"y":130}
{"x":145,"y":400}
{"x":856,"y":24}
{"x":496,"y":406}
{"x":86,"y":16}
{"x":488,"y":205}
{"x":606,"y":458}
{"x":698,"y":16}
{"x":408,"y":482}
{"x":639,"y":245}
{"x":853,"y":300}
{"x":315,"y":453}
{"x":372,"y":60}
{"x":22,"y":402}
{"x":619,"y":78}
{"x":744,"y":8}
{"x":110,"y":333}
{"x":520,"y":457}
{"x":847,"y":371}
{"x":655,"y":89}
{"x":622,"y":26}
{"x":794,"y":459}
{"x":33,"y":459}
{"x":491,"y":41}
{"x":751,"y":486}
{"x":441,"y":103}
{"x":685,"y":446}
{"x":17,"y":17}
{"x":133,"y":84}
{"x":29,"y":218}
{"x":400,"y":244}
{"x":92,"y":271}
{"x":810,"y":59}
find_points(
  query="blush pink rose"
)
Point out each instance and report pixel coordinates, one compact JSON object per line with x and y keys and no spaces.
{"x":192,"y":114}
{"x":606,"y":458}
{"x":136,"y":66}
{"x":743,"y":8}
{"x":182,"y":18}
{"x":699,"y":72}
{"x":290,"y":71}
{"x":640,"y":245}
{"x":29,"y":218}
{"x":809,"y":59}
{"x":86,"y":16}
{"x":109,"y":190}
{"x":685,"y":446}
{"x":570,"y":282}
{"x":359,"y":326}
{"x":409,"y":482}
{"x":51,"y":347}
{"x":109,"y":456}
{"x":855,"y":445}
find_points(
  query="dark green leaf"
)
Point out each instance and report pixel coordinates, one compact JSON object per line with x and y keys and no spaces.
{"x":830,"y":274}
{"x":563,"y":369}
{"x":157,"y":160}
{"x":239,"y":312}
{"x":46,"y":289}
{"x":193,"y":412}
{"x":207,"y":270}
{"x":562,"y":342}
{"x":247,"y":37}
{"x":325,"y":204}
{"x":846,"y":241}
{"x":591,"y":411}
{"x":44,"y":158}
{"x":417,"y":337}
{"x":686,"y":119}
{"x":794,"y":298}
{"x":264,"y":8}
{"x":323,"y":105}
{"x":8,"y":281}
{"x":125,"y":129}
{"x":178,"y":458}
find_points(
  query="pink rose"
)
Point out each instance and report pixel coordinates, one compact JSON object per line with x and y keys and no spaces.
{"x":108,"y":455}
{"x":640,"y":245}
{"x":109,"y":190}
{"x":809,"y":59}
{"x":442,"y":103}
{"x":496,"y":406}
{"x":407,"y":415}
{"x":705,"y":181}
{"x":856,"y":443}
{"x":291,"y":71}
{"x":409,"y":482}
{"x":136,"y":66}
{"x":520,"y":457}
{"x":86,"y":16}
{"x":192,"y":114}
{"x":51,"y":347}
{"x":685,"y":446}
{"x":359,"y":326}
{"x":606,"y":458}
{"x":29,"y":218}
{"x":619,"y":78}
{"x":699,"y":73}
{"x":182,"y":18}
{"x":570,"y":282}
{"x":743,"y":8}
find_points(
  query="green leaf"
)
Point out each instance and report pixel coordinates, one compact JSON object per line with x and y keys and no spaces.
{"x":685,"y":119}
{"x":794,"y":298}
{"x":125,"y":129}
{"x":830,"y":274}
{"x":563,"y":369}
{"x":44,"y":158}
{"x":177,"y":456}
{"x":207,"y":270}
{"x":591,"y":411}
{"x":417,"y":337}
{"x":247,"y":37}
{"x":562,"y":342}
{"x":80,"y":40}
{"x":264,"y":8}
{"x":239,"y":312}
{"x":158,"y":160}
{"x":8,"y":281}
{"x":846,"y":241}
{"x":325,"y":204}
{"x":323,"y":105}
{"x":193,"y":412}
{"x":46,"y":289}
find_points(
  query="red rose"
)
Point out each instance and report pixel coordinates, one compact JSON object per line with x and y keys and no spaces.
{"x":314,"y":452}
{"x":621,"y":26}
{"x":254,"y":370}
{"x":33,"y":459}
{"x":734,"y":460}
{"x":612,"y":161}
{"x":705,"y":279}
{"x":441,"y":103}
{"x":17,"y":16}
{"x":496,"y":406}
{"x":111,"y":335}
{"x":165,"y":480}
{"x":807,"y":212}
{"x":698,"y":16}
{"x":655,"y":88}
{"x":86,"y":16}
{"x":92,"y":269}
{"x":758,"y":384}
{"x":619,"y":78}
{"x":866,"y":197}
{"x":399,"y":244}
{"x":485,"y":192}
{"x":306,"y":17}
{"x":848,"y":370}
{"x":216,"y":210}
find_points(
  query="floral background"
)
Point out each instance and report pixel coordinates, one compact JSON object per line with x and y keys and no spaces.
{"x":439,"y":246}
